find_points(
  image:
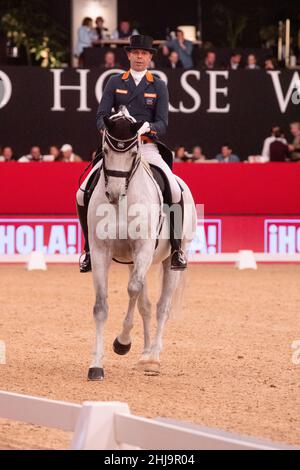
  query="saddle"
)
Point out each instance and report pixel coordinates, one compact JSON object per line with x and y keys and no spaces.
{"x":158,"y":175}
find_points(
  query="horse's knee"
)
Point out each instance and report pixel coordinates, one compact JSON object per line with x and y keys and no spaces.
{"x":135,"y":287}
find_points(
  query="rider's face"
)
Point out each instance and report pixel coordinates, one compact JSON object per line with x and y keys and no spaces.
{"x":139,"y":59}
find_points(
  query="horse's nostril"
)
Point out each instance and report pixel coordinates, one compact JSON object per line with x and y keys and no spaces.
{"x":107,"y":195}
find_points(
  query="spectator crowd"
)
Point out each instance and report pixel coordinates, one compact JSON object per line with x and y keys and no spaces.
{"x":55,"y":154}
{"x":175,"y":52}
{"x":275,"y":148}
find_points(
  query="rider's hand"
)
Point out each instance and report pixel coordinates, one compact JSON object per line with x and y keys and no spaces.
{"x":144,"y":129}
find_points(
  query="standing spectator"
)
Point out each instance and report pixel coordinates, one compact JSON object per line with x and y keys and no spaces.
{"x":100,"y":29}
{"x":276,"y":135}
{"x":252,"y":63}
{"x":295,"y":147}
{"x":86,"y":37}
{"x":67,"y":154}
{"x":183,"y":47}
{"x":197,"y":155}
{"x":226,"y":155}
{"x":110,"y":60}
{"x":235,"y":61}
{"x":35,"y":155}
{"x":181,"y":154}
{"x":7,"y":154}
{"x":124,"y":31}
{"x":210,"y":61}
{"x":173,"y":61}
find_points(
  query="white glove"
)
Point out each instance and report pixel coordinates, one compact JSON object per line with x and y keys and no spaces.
{"x":144,"y":129}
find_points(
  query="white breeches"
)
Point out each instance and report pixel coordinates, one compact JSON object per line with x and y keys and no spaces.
{"x":151,"y":154}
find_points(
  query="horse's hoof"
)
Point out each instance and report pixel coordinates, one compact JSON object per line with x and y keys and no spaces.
{"x":152,"y":368}
{"x":96,"y":374}
{"x":121,"y":349}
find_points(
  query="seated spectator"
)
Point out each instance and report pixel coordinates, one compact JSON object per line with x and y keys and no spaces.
{"x":7,"y":154}
{"x":276,"y":135}
{"x":226,"y":155}
{"x":86,"y":37}
{"x":110,"y":60}
{"x":269,"y":64}
{"x":181,"y":155}
{"x":67,"y":154}
{"x":52,"y":155}
{"x":279,"y":152}
{"x":173,"y":61}
{"x":54,"y":151}
{"x":197,"y":155}
{"x":183,"y":47}
{"x":124,"y":31}
{"x":235,"y":61}
{"x":252,"y":63}
{"x":295,"y":147}
{"x":210,"y":61}
{"x":101,"y":31}
{"x":162,"y":57}
{"x":34,"y":156}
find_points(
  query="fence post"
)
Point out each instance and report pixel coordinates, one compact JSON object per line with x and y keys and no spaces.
{"x":95,"y":427}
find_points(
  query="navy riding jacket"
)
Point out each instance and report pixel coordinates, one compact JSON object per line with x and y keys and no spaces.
{"x":149,"y":101}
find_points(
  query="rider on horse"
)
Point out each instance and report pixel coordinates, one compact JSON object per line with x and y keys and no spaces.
{"x":146,"y":98}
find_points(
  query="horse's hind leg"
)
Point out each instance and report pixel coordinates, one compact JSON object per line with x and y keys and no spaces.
{"x":144,"y":307}
{"x":171,"y":281}
{"x":100,"y":312}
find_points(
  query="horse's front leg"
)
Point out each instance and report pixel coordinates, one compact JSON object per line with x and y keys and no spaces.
{"x":142,"y":259}
{"x":100,"y":264}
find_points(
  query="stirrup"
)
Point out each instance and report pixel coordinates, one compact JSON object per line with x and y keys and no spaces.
{"x":85,"y":264}
{"x":178,"y":260}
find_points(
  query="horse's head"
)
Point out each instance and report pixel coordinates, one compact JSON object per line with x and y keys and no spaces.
{"x":121,"y":154}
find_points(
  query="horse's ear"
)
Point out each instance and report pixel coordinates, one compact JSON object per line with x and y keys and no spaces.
{"x":135,"y":126}
{"x":108,"y":123}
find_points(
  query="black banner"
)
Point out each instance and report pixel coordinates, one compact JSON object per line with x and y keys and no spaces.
{"x":207,"y":108}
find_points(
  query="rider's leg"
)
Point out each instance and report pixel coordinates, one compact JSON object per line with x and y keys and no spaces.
{"x":82,"y":210}
{"x":151,"y":154}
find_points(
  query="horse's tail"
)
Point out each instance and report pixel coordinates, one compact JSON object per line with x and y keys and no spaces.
{"x":179,"y":281}
{"x":176,"y":312}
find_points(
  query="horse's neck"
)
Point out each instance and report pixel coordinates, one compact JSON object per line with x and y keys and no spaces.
{"x":141,"y":183}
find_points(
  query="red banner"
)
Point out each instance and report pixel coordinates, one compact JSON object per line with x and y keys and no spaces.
{"x":50,"y":236}
{"x":254,"y":207}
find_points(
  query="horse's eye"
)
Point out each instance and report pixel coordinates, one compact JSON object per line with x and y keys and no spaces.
{"x":105,"y":150}
{"x":134,"y":153}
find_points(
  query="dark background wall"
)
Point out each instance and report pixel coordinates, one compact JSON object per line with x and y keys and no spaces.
{"x":28,"y":120}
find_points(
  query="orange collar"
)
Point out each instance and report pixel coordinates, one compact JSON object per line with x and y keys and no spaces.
{"x":149,"y":76}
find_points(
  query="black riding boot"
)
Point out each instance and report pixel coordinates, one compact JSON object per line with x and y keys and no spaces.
{"x":178,"y":259}
{"x":85,"y":260}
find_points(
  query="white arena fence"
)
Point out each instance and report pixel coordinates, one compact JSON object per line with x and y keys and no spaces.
{"x":111,"y":426}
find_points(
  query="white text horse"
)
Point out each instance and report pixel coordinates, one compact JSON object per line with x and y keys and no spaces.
{"x":125,"y":203}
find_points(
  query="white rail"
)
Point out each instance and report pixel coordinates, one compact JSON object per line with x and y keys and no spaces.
{"x":110,"y":426}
